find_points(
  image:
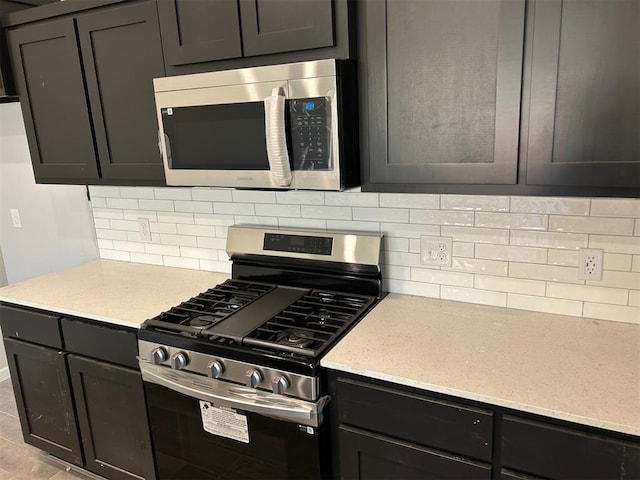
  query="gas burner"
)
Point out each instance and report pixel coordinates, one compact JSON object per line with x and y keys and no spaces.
{"x":203,"y":321}
{"x":236,"y":302}
{"x":294,"y":338}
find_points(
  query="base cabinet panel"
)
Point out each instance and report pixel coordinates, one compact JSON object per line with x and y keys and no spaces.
{"x":365,"y":455}
{"x":44,"y":399}
{"x":112,"y":417}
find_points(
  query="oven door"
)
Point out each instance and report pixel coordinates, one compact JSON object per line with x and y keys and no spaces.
{"x":204,"y":428}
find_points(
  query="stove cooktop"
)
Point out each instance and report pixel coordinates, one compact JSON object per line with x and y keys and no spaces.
{"x":279,"y":319}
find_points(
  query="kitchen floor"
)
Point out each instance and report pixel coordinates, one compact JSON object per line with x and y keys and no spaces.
{"x":19,"y":461}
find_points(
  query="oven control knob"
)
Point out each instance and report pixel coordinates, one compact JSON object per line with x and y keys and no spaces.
{"x":279,"y":384}
{"x":159,"y":355}
{"x":253,"y":378}
{"x":215,"y":368}
{"x":179,"y":360}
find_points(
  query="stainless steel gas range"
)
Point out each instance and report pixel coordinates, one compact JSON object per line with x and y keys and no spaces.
{"x":232,"y":376}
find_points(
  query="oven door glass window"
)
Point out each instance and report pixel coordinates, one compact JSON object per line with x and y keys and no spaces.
{"x":217,"y":137}
{"x":184,"y":450}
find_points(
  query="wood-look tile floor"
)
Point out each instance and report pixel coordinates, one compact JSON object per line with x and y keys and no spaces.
{"x":19,"y":461}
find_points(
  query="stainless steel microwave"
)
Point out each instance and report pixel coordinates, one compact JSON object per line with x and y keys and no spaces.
{"x":288,"y":126}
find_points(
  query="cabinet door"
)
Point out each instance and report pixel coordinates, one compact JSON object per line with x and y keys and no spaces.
{"x":584,"y":119}
{"x":122,"y":55}
{"x":43,"y":397}
{"x":365,"y":455}
{"x":440,"y":91}
{"x":195,"y":31}
{"x":52,"y":92}
{"x":274,"y":26}
{"x":113,"y":419}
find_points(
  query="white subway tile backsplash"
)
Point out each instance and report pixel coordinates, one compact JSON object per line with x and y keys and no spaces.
{"x":474,"y":265}
{"x":329,"y":213}
{"x":472,"y":295}
{"x":615,"y":226}
{"x":211,"y":194}
{"x":547,"y":239}
{"x":158,"y":205}
{"x":344,"y":199}
{"x":172,"y":193}
{"x":197,"y":206}
{"x":406,"y":287}
{"x":591,"y":293}
{"x":476,"y":235}
{"x":509,"y":285}
{"x":136,"y":192}
{"x":253,"y":196}
{"x":279,"y":210}
{"x":520,"y":252}
{"x":441,"y":217}
{"x":475,"y":202}
{"x":511,"y":220}
{"x":300,"y":198}
{"x":550,"y":273}
{"x":615,"y":207}
{"x":613,"y":313}
{"x":124,"y":203}
{"x":615,"y":244}
{"x":544,"y":304}
{"x":510,"y":253}
{"x":400,"y":215}
{"x":146,"y":258}
{"x":405,"y":200}
{"x":617,"y":261}
{"x":559,"y":205}
{"x":181,"y":262}
{"x":441,"y":277}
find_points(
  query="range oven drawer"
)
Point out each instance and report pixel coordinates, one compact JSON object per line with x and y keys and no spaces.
{"x":185,"y":450}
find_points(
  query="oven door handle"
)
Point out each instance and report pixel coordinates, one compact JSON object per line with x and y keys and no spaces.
{"x":223,"y":394}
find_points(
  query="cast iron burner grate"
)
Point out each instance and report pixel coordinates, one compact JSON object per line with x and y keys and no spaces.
{"x":210,"y":307}
{"x":310,"y":324}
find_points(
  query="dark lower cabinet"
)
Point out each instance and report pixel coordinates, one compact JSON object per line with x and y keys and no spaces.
{"x":365,"y":455}
{"x":83,"y":403}
{"x":44,"y":399}
{"x":112,"y":417}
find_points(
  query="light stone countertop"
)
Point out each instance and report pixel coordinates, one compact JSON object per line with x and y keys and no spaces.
{"x":111,"y":291}
{"x":580,"y":370}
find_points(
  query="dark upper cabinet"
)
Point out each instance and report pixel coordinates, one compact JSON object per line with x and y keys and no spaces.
{"x":43,"y":398}
{"x":48,"y":73}
{"x":440,"y":91}
{"x":85,"y":85}
{"x":122,"y":55}
{"x":112,"y":418}
{"x":584,"y":115}
{"x":275,"y":26}
{"x":196,"y":31}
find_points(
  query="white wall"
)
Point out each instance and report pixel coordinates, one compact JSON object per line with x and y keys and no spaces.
{"x":518,"y":252}
{"x":57,"y":226}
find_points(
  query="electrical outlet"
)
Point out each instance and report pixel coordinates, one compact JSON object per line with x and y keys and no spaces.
{"x":590,"y":264}
{"x":15,"y":218}
{"x":435,"y":251}
{"x":144,"y":229}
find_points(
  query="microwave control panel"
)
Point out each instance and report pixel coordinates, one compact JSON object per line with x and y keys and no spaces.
{"x":310,"y":122}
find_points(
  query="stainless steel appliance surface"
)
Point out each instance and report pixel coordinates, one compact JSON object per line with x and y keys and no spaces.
{"x":287,"y":126}
{"x":232,"y":376}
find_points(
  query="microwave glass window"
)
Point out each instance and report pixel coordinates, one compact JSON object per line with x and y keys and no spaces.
{"x":234,"y":132}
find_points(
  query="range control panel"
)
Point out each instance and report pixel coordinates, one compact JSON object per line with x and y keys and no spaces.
{"x":310,"y":120}
{"x":298,"y":243}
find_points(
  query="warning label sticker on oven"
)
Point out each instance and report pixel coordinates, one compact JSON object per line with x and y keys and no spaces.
{"x":224,"y":422}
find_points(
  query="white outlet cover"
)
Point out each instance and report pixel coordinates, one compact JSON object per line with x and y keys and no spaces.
{"x":590,"y":264}
{"x":435,"y":251}
{"x":144,"y":229}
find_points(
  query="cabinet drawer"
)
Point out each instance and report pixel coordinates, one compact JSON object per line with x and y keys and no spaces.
{"x":31,"y":326}
{"x":556,"y":452}
{"x":425,"y":421}
{"x":101,"y":341}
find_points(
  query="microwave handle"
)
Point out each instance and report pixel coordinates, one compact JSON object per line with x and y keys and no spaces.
{"x":167,"y":145}
{"x":276,"y":138}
